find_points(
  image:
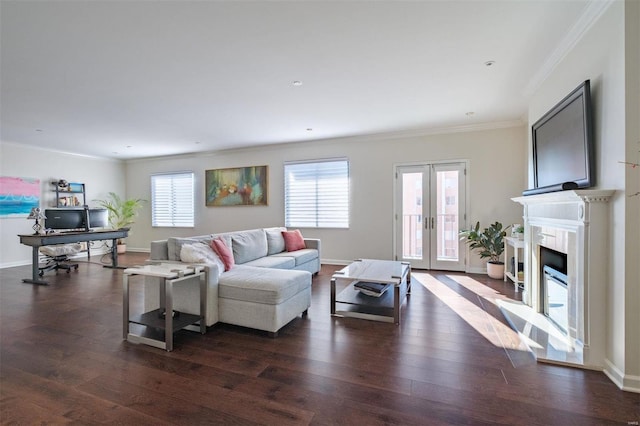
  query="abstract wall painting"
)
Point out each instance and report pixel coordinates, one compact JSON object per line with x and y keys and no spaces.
{"x":18,"y":195}
{"x":240,"y":186}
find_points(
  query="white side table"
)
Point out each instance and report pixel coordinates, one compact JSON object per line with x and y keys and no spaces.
{"x":169,"y":274}
{"x":516,"y":244}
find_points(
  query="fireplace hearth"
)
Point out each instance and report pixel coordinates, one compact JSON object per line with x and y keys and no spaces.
{"x":566,"y":267}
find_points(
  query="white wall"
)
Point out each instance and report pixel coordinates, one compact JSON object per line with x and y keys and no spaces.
{"x":99,"y":175}
{"x":600,"y":57}
{"x":497,"y":172}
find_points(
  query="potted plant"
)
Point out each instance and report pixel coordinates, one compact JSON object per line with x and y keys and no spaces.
{"x":517,"y":231}
{"x":122,"y":213}
{"x":490,"y":244}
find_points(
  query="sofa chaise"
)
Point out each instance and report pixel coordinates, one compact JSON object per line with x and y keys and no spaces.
{"x":266,"y":288}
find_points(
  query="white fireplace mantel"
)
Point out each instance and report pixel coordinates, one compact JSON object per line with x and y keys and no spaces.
{"x":575,"y":223}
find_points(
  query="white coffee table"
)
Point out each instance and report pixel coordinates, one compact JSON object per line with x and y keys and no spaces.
{"x":353,"y":303}
{"x":168,"y":274}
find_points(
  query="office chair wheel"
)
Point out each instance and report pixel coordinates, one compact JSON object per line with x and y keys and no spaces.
{"x":40,"y":273}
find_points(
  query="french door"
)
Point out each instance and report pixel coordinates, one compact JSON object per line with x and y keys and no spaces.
{"x":429,"y":210}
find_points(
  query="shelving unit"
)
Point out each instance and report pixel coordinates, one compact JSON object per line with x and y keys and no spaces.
{"x":516,"y":244}
{"x":72,"y":196}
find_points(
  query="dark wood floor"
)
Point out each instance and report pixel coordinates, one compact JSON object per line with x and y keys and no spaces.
{"x":63,"y":361}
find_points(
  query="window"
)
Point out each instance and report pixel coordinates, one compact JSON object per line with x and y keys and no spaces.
{"x":172,"y":200}
{"x":316,"y":194}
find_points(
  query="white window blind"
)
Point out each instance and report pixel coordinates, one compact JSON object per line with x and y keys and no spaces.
{"x":317,"y":194}
{"x":172,"y":200}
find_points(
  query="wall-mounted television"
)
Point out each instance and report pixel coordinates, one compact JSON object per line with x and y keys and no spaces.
{"x":563,"y":145}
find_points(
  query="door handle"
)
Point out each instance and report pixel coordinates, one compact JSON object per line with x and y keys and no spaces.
{"x":433,"y":223}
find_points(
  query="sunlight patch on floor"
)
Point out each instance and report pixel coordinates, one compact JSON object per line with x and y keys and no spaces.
{"x":544,"y":339}
{"x":486,"y":325}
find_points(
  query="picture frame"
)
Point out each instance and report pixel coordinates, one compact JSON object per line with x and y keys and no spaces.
{"x":18,"y":195}
{"x":237,"y":186}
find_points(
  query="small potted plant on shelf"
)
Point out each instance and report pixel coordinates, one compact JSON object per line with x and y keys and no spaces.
{"x":517,"y":231}
{"x":122,"y":213}
{"x":490,"y":244}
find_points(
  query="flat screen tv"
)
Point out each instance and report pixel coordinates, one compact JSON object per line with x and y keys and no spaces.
{"x":563,"y":146}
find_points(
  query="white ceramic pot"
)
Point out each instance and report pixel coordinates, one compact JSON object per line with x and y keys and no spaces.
{"x":121,"y":248}
{"x":495,"y":270}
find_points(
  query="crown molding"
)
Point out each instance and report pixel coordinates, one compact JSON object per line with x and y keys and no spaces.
{"x":592,"y":13}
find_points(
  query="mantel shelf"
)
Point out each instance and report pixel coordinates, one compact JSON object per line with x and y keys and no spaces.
{"x":583,"y":195}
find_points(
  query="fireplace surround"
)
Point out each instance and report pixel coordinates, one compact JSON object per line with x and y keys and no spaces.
{"x":574,"y":224}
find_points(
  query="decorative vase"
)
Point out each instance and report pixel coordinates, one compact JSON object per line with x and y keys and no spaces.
{"x":121,"y":248}
{"x":495,"y":270}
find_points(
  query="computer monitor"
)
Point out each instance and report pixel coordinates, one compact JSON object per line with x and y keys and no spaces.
{"x":98,"y":218}
{"x":64,"y":218}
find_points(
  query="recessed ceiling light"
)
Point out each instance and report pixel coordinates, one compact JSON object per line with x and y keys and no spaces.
{"x":115,"y":152}
{"x":129,"y":146}
{"x":309,"y":129}
{"x":469,"y":114}
{"x":297,"y":83}
{"x":39,"y":130}
{"x":197,"y":142}
{"x":490,"y":63}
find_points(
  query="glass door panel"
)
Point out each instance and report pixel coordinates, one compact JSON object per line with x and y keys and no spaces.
{"x":428,"y":207}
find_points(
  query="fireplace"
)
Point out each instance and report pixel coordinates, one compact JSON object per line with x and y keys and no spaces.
{"x":566,"y":264}
{"x":554,"y":287}
{"x":555,"y":296}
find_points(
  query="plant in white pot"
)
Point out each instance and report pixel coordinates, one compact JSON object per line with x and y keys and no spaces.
{"x":122,"y":213}
{"x":490,"y":244}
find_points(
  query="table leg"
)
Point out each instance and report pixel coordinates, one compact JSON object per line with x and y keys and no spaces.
{"x":114,"y":256}
{"x":396,"y":304}
{"x":203,"y":300}
{"x":35,"y":258}
{"x":333,"y":296}
{"x":125,"y":306}
{"x":168,"y":315}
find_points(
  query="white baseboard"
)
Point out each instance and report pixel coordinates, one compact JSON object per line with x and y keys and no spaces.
{"x":335,"y":262}
{"x":626,"y":382}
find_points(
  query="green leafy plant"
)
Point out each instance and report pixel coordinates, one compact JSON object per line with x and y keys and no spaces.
{"x":122,"y":212}
{"x":489,"y":242}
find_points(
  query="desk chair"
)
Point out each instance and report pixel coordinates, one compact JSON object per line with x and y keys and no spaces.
{"x":57,"y":257}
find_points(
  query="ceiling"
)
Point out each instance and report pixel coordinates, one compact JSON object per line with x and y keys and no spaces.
{"x":131,"y":79}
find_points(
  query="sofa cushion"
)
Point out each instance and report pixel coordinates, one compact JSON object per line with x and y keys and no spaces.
{"x":249,"y":245}
{"x":200,"y":253}
{"x":174,"y":244}
{"x":224,"y":252}
{"x":300,"y":256}
{"x":262,"y":285}
{"x":279,"y":262}
{"x":275,"y":240}
{"x":293,"y":240}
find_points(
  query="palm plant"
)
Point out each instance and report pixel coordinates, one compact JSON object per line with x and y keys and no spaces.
{"x":122,"y":212}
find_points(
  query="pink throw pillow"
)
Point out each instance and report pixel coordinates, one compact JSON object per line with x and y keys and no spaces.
{"x":218,"y":245}
{"x":293,"y":240}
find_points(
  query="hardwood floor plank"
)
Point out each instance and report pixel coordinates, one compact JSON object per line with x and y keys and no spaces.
{"x":451,"y":361}
{"x":58,"y":403}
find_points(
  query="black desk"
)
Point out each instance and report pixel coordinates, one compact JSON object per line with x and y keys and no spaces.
{"x":37,"y":241}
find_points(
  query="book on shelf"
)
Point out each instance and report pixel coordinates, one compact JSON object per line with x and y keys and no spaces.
{"x":371,"y":289}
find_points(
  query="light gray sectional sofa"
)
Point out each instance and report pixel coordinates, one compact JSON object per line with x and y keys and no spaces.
{"x":266,"y":289}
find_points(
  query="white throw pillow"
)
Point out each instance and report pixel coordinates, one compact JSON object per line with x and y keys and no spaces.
{"x":200,"y":253}
{"x":275,"y":240}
